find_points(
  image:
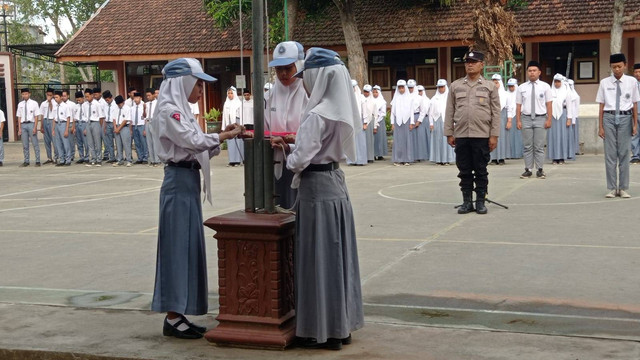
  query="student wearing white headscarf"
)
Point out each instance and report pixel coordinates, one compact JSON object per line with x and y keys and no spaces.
{"x":361,"y":136}
{"x":380,"y":143}
{"x":181,"y":269}
{"x":401,"y":124}
{"x":283,"y":110}
{"x":422,"y":137}
{"x":500,"y":152}
{"x":231,"y":115}
{"x":327,"y":282}
{"x":515,"y":147}
{"x":574,"y":132}
{"x":558,"y":137}
{"x":368,"y":117}
{"x":441,"y":152}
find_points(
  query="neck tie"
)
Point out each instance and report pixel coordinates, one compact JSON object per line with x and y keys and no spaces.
{"x":109,"y":113}
{"x":119,"y":111}
{"x":89,"y":111}
{"x":81,"y":113}
{"x":58,"y":115}
{"x":135,"y":123}
{"x":533,"y":100}
{"x":150,"y":114}
{"x":618,"y":93}
{"x":49,"y":111}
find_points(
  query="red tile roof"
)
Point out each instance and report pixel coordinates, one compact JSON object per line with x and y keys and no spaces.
{"x":125,"y":27}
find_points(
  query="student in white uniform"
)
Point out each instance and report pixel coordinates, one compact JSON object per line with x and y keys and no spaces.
{"x":402,"y":122}
{"x":514,"y":134}
{"x":361,"y":138}
{"x":499,"y":154}
{"x":558,"y":141}
{"x":369,"y":115}
{"x":46,"y":120}
{"x":327,"y":283}
{"x":635,"y":140}
{"x":93,"y":131}
{"x":181,"y":269}
{"x":283,"y":111}
{"x":441,"y":152}
{"x":72,"y":112}
{"x":247,"y":110}
{"x":110,"y":109}
{"x":423,"y":132}
{"x":28,"y":113}
{"x":150,"y":108}
{"x":420,"y":143}
{"x":3,"y":120}
{"x":137,"y":123}
{"x":81,"y":120}
{"x":62,"y":129}
{"x":380,"y":127}
{"x":618,"y":97}
{"x":230,"y":116}
{"x":130,"y":92}
{"x":122,"y":131}
{"x":574,"y":131}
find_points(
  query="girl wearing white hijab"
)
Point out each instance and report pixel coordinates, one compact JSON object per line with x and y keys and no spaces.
{"x":369,"y":113}
{"x":402,"y":123}
{"x":361,"y":136}
{"x":441,"y":153}
{"x":283,"y":111}
{"x":574,"y":105}
{"x":327,"y":282}
{"x":558,"y":137}
{"x":231,"y":115}
{"x":181,"y":269}
{"x":380,"y":143}
{"x":500,"y":152}
{"x":422,"y":131}
{"x":515,"y":147}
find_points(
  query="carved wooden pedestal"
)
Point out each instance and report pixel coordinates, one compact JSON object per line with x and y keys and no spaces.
{"x":255,"y":279}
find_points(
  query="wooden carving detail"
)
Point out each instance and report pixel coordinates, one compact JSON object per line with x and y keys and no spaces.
{"x":248,"y":272}
{"x":288,"y":294}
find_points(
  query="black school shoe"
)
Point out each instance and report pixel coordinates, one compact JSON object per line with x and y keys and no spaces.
{"x":198,"y":328}
{"x":331,"y":344}
{"x":172,"y":330}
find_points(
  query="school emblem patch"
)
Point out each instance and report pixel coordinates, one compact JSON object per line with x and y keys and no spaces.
{"x":176,"y":116}
{"x":628,"y":96}
{"x":541,"y":96}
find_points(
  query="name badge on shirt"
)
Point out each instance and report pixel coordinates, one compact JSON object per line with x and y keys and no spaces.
{"x":611,"y":89}
{"x":273,"y":109}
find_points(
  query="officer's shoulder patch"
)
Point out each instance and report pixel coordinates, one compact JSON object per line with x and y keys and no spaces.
{"x":176,"y":115}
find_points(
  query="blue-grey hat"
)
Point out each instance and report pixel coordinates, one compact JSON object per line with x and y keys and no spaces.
{"x":184,"y":67}
{"x":319,"y":57}
{"x":286,"y":53}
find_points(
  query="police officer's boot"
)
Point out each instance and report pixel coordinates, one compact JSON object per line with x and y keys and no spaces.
{"x":467,"y":202}
{"x":480,"y":198}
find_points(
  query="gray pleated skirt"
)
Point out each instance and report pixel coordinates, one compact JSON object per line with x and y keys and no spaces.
{"x":328,"y":290}
{"x":380,"y":144}
{"x":500,"y":152}
{"x":361,"y":148}
{"x":181,"y":266}
{"x":369,"y":134}
{"x":440,"y":152}
{"x":558,"y":143}
{"x":236,"y":150}
{"x":286,"y":195}
{"x":419,"y":139}
{"x":516,"y":148}
{"x":402,"y":144}
{"x":575,"y":137}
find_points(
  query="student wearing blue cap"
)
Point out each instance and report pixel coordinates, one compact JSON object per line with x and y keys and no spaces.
{"x":327,"y":282}
{"x":181,"y":269}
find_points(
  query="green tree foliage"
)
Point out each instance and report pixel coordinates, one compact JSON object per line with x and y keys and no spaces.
{"x":75,"y":12}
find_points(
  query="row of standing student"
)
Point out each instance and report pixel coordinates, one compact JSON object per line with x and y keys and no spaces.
{"x":97,"y":127}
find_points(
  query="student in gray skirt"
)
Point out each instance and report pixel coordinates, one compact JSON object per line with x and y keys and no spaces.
{"x":327,"y":282}
{"x":181,"y":269}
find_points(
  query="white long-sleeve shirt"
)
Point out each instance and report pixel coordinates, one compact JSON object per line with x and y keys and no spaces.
{"x":511,"y":104}
{"x":317,"y":142}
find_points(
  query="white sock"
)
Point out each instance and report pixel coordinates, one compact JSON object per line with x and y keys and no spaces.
{"x":181,"y":327}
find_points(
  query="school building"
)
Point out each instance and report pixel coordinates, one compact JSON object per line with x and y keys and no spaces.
{"x":401,"y":40}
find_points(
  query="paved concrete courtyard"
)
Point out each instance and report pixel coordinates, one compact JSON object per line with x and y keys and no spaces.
{"x":553,"y":277}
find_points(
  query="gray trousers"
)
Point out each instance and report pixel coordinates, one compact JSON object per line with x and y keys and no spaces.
{"x":47,"y":125}
{"x":534,"y":136}
{"x":635,"y":146}
{"x":94,"y":136}
{"x":1,"y":149}
{"x":107,"y":139}
{"x":29,"y":137}
{"x":617,"y":141}
{"x":123,"y":145}
{"x":151,"y":150}
{"x":63,"y":147}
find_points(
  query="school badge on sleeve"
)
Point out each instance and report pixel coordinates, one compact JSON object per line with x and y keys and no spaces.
{"x":176,"y":116}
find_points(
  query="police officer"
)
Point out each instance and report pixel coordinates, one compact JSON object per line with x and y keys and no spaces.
{"x":472,"y":126}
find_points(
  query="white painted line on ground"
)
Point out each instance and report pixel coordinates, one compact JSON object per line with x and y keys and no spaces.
{"x":470,"y":242}
{"x":75,"y":232}
{"x":79,"y":196}
{"x":61,"y":186}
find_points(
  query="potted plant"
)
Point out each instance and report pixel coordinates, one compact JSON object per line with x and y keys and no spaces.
{"x":214,"y":125}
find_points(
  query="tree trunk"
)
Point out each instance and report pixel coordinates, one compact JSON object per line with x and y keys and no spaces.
{"x":63,"y":75}
{"x":355,"y":53}
{"x":292,"y":13}
{"x":616,"y":26}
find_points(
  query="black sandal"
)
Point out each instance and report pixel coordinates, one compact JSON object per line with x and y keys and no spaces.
{"x":172,"y":330}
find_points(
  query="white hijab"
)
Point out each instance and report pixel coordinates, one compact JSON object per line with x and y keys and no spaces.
{"x":502,"y":92}
{"x":559,"y":96}
{"x":439,"y":104}
{"x":174,"y":93}
{"x":288,"y":103}
{"x":333,"y":99}
{"x":401,"y":106}
{"x":230,"y":110}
